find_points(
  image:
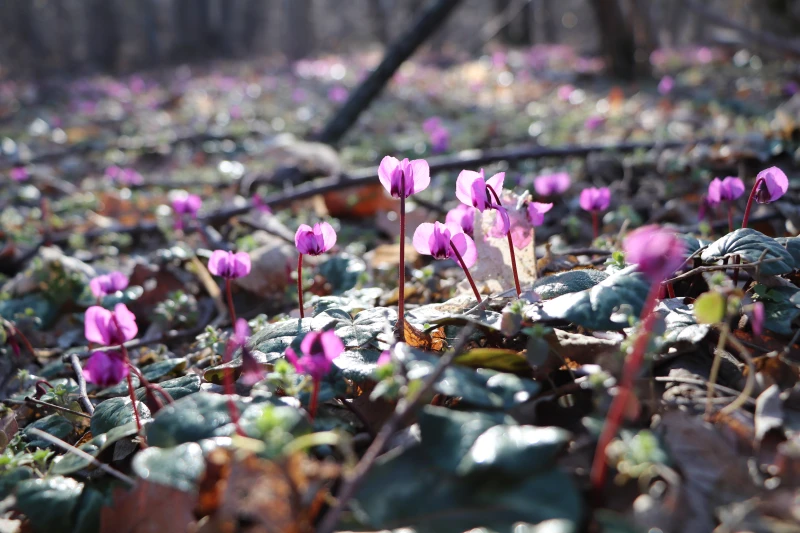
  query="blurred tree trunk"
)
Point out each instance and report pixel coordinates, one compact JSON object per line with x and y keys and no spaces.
{"x":254,"y":24}
{"x":426,"y":23}
{"x":104,"y":35}
{"x":378,"y":16}
{"x":616,"y":38}
{"x":546,"y":14}
{"x":518,"y":30}
{"x":642,"y":25}
{"x":299,"y":27}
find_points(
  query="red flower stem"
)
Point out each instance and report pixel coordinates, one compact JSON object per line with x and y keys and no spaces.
{"x":300,"y":285}
{"x":510,"y":245}
{"x":131,"y":390}
{"x":230,"y":391}
{"x":466,"y":271}
{"x":513,"y":264}
{"x":670,"y":290}
{"x":595,"y":224}
{"x":18,"y":334}
{"x":312,"y":406}
{"x":401,"y":278}
{"x":750,"y":199}
{"x":730,"y":217}
{"x":616,"y":412}
{"x":231,"y":310}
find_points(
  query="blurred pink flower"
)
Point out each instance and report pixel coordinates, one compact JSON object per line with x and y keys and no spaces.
{"x":316,"y":240}
{"x":657,"y":251}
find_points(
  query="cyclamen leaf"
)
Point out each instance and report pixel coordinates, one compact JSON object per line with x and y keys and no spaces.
{"x":599,"y":308}
{"x":749,"y":245}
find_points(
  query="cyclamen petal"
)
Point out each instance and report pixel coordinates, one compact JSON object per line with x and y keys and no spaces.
{"x":657,"y":252}
{"x":105,"y":369}
{"x":229,"y":265}
{"x":316,"y":240}
{"x":536,"y":212}
{"x":415,"y":175}
{"x":775,"y":185}
{"x":471,"y":189}
{"x":463,"y":216}
{"x":466,"y":247}
{"x":319,"y":351}
{"x":595,"y":199}
{"x":108,"y":284}
{"x":100,"y":326}
{"x":552,"y":184}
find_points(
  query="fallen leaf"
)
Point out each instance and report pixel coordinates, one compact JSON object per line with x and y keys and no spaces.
{"x":148,"y":508}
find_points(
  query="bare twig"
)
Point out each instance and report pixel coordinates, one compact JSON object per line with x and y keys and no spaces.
{"x":83,"y":398}
{"x":41,"y":403}
{"x":749,"y":385}
{"x":712,"y":268}
{"x":404,"y":408}
{"x":82,"y":454}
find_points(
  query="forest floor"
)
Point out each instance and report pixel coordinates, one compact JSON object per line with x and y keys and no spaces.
{"x":489,"y":414}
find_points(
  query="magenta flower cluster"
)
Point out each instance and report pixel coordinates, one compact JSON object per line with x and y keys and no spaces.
{"x":108,"y":328}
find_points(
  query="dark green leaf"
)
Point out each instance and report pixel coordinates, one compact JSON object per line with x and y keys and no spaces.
{"x":780,"y":309}
{"x":567,"y":282}
{"x":116,"y":412}
{"x":49,"y":503}
{"x":152,"y":373}
{"x":749,"y":245}
{"x":55,"y":425}
{"x":599,"y":308}
{"x":514,"y":452}
{"x":449,"y":434}
{"x":71,"y":463}
{"x":482,"y":388}
{"x":177,"y":388}
{"x":342,"y":271}
{"x":179,"y":467}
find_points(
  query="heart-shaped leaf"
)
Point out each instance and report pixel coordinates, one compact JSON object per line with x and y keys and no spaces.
{"x":500,"y":359}
{"x":750,"y":245}
{"x":49,"y":503}
{"x":342,"y":271}
{"x":71,"y":463}
{"x":781,"y":307}
{"x":679,"y":321}
{"x":567,"y":282}
{"x":600,"y":307}
{"x":56,"y":425}
{"x":179,"y":467}
{"x":152,"y":373}
{"x":116,"y":412}
{"x":481,"y":388}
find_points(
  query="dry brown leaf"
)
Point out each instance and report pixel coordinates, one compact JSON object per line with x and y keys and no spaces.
{"x":254,"y":495}
{"x":148,"y":508}
{"x":416,"y":338}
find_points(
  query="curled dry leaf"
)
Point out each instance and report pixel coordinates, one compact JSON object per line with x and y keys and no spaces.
{"x":254,"y":495}
{"x":148,"y":508}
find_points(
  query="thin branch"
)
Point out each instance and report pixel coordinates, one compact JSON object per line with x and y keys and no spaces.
{"x":82,"y":454}
{"x":712,"y":268}
{"x":83,"y":397}
{"x":352,"y":482}
{"x":41,"y":403}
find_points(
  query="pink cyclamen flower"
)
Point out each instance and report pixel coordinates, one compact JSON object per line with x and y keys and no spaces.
{"x":417,"y":175}
{"x":110,"y":327}
{"x":725,"y":190}
{"x":229,"y":265}
{"x":536,"y":212}
{"x":316,"y":240}
{"x":385,"y":358}
{"x":338,"y":94}
{"x":552,"y":184}
{"x":594,"y":122}
{"x":261,"y":205}
{"x":472,"y":188}
{"x":434,"y":240}
{"x":108,"y":284}
{"x":318,"y":352}
{"x":595,"y":199}
{"x":251,"y":370}
{"x":463,"y":216}
{"x":18,"y":174}
{"x":775,"y":185}
{"x":187,"y":204}
{"x":656,"y":251}
{"x":666,"y":85}
{"x":431,"y":124}
{"x":105,"y":369}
